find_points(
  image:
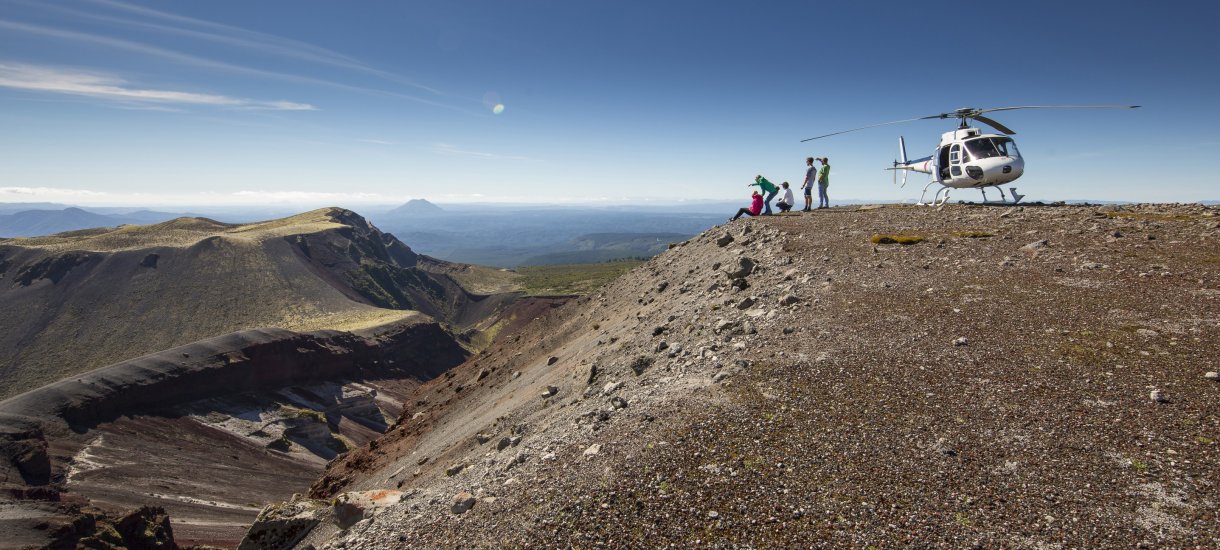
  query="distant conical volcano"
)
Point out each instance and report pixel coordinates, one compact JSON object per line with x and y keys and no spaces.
{"x":417,"y":207}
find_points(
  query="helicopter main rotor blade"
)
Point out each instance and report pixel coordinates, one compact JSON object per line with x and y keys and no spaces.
{"x":869,"y":126}
{"x":973,"y":113}
{"x":1059,"y":107}
{"x":1002,"y":128}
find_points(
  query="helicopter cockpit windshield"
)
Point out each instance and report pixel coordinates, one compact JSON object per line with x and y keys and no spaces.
{"x":982,"y":148}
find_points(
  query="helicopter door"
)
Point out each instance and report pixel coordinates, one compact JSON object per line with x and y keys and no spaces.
{"x":942,"y":164}
{"x":955,"y":160}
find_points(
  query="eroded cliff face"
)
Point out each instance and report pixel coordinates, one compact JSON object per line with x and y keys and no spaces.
{"x":209,"y":368}
{"x":1012,"y":377}
{"x":213,"y":429}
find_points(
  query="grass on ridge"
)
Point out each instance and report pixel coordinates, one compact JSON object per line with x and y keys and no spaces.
{"x":572,"y":278}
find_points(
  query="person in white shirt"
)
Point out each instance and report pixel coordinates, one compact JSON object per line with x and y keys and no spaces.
{"x":785,"y":203}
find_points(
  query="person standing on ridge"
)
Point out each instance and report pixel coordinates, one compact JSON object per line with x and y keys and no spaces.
{"x":767,"y":187}
{"x":756,"y":202}
{"x":811,"y":175}
{"x":823,"y":183}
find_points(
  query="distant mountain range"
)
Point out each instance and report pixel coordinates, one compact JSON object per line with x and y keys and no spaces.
{"x":496,"y":235}
{"x":32,"y":223}
{"x":501,"y":235}
{"x":517,"y":235}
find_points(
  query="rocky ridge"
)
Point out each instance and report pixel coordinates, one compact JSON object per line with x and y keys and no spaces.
{"x":1015,"y":377}
{"x":119,"y":293}
{"x":289,"y":342}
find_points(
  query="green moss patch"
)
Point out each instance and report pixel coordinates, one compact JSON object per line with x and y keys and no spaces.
{"x":897,"y":239}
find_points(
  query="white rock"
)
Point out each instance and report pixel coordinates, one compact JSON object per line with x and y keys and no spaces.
{"x":593,"y":450}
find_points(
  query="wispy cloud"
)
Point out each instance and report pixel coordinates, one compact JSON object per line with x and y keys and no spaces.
{"x":227,"y":34}
{"x":39,"y":192}
{"x":378,"y":142}
{"x":202,"y":62}
{"x":235,"y":198}
{"x":109,"y":87}
{"x":447,"y":149}
{"x":308,"y":196}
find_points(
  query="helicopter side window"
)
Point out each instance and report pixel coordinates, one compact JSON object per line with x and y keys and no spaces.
{"x":1007,"y":147}
{"x":954,"y":154}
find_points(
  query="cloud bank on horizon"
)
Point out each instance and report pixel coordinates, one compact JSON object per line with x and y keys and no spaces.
{"x":108,"y":101}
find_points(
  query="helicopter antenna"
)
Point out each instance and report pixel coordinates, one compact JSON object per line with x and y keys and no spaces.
{"x":967,"y":113}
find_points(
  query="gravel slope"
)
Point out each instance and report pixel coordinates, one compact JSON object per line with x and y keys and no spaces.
{"x":1022,"y":377}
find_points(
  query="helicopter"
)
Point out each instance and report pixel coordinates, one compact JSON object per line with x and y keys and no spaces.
{"x":967,"y":157}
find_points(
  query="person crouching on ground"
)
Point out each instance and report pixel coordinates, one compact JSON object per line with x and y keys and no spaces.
{"x":756,"y":204}
{"x":767,"y":187}
{"x":785,"y":202}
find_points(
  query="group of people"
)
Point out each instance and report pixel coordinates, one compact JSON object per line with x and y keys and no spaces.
{"x":762,"y":206}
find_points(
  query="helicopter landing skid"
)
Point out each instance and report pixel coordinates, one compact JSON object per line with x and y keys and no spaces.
{"x":942,"y":196}
{"x":939,"y":199}
{"x":1016,"y":197}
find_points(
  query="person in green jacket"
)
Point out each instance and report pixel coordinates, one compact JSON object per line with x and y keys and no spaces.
{"x":767,"y":187}
{"x":823,"y":183}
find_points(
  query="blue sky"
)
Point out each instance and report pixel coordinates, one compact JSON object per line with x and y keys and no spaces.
{"x":237,"y":102}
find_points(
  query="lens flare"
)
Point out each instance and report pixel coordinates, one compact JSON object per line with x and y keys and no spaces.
{"x":499,"y":108}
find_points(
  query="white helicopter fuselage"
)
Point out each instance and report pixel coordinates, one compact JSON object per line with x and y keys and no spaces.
{"x":967,"y":158}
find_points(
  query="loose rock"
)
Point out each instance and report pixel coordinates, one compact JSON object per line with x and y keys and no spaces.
{"x":462,"y":503}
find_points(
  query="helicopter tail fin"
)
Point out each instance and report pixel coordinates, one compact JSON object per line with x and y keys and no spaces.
{"x":901,"y":163}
